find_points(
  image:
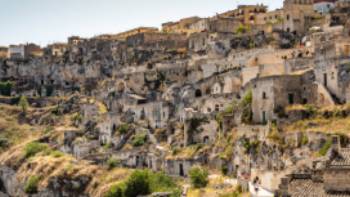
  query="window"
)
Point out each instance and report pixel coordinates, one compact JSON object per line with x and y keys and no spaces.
{"x":264,"y":95}
{"x":291,"y":98}
{"x":217,"y":107}
{"x":288,"y":17}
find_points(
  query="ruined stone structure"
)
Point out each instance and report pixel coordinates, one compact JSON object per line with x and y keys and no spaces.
{"x":249,"y":92}
{"x":272,"y":94}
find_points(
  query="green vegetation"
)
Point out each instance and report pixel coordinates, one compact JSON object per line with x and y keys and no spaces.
{"x":116,"y":191}
{"x":246,"y":105}
{"x":242,"y":29}
{"x":139,"y":139}
{"x":199,"y":177}
{"x":326,"y":146}
{"x":23,"y":103}
{"x":138,"y":184}
{"x":31,"y":186}
{"x":108,"y":146}
{"x":77,"y":117}
{"x":56,"y":154}
{"x":123,"y":129}
{"x":224,"y":170}
{"x":144,"y":182}
{"x":304,"y":139}
{"x":112,"y":163}
{"x":4,"y":143}
{"x":275,"y":135}
{"x":310,"y":110}
{"x":236,"y":193}
{"x":5,"y":88}
{"x":33,"y":148}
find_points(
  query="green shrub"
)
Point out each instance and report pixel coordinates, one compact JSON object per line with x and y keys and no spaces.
{"x":304,"y":139}
{"x":116,"y":191}
{"x":108,"y":146}
{"x":31,"y":186}
{"x":144,"y":182}
{"x":326,"y":146}
{"x":23,"y":103}
{"x":139,"y":139}
{"x":112,"y":163}
{"x":4,"y":143}
{"x":160,"y":182}
{"x":77,"y":118}
{"x":224,"y":170}
{"x":56,"y":154}
{"x":198,"y":176}
{"x":138,"y":184}
{"x":242,"y":29}
{"x":310,"y":110}
{"x":246,"y":105}
{"x":5,"y":88}
{"x":123,"y":129}
{"x":33,"y":148}
{"x":48,"y":129}
{"x":275,"y":135}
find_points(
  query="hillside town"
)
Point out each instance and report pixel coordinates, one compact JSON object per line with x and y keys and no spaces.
{"x":256,"y":98}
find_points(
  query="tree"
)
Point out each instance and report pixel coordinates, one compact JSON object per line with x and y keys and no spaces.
{"x":5,"y":88}
{"x":198,"y":176}
{"x":31,"y":186}
{"x":23,"y":103}
{"x":138,"y":184}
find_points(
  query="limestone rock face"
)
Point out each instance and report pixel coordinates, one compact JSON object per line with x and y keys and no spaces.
{"x":9,"y":185}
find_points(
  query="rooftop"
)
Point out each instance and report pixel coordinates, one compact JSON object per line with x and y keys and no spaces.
{"x":308,"y":188}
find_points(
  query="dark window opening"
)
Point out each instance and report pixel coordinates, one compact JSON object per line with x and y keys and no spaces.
{"x":198,"y":93}
{"x":264,"y":117}
{"x":181,"y":170}
{"x":264,"y":95}
{"x":325,"y":82}
{"x":217,"y":108}
{"x":206,"y":140}
{"x":291,"y":98}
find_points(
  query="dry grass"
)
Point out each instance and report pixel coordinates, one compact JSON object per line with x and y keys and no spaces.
{"x":215,"y":188}
{"x":11,"y":130}
{"x":48,"y":166}
{"x":188,"y":152}
{"x":319,"y":124}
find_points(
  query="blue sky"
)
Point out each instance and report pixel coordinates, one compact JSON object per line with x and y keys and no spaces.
{"x":48,"y":21}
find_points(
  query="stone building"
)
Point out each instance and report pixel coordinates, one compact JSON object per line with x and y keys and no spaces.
{"x":17,"y":51}
{"x":156,"y":113}
{"x":3,"y":52}
{"x":198,"y":42}
{"x":340,"y":13}
{"x":270,"y":21}
{"x":331,"y":66}
{"x":124,"y":35}
{"x":183,"y":26}
{"x":221,"y":24}
{"x":245,"y":14}
{"x":33,"y":50}
{"x":57,"y":49}
{"x":330,"y":179}
{"x":299,"y":15}
{"x":158,"y":40}
{"x":75,"y":40}
{"x":324,"y":6}
{"x":24,"y":51}
{"x":272,"y":94}
{"x":336,"y":175}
